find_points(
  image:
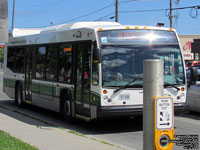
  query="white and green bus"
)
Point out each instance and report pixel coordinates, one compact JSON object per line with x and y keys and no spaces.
{"x":91,"y":70}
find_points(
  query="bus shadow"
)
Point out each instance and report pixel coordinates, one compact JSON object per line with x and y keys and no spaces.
{"x":113,"y":126}
{"x":44,"y":118}
{"x":8,"y":108}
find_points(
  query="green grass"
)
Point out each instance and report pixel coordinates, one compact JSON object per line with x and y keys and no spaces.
{"x":8,"y":142}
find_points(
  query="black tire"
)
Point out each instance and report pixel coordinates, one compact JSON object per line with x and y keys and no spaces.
{"x":19,"y":96}
{"x":66,"y":110}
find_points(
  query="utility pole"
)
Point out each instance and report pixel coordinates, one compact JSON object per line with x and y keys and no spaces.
{"x":171,"y":15}
{"x":116,"y":10}
{"x":4,"y":21}
{"x":13,"y":15}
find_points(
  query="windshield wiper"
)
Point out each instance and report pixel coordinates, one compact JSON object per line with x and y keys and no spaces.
{"x":125,"y":86}
{"x":172,"y":85}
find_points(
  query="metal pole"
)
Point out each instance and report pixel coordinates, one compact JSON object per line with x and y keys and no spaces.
{"x":152,"y":86}
{"x":116,"y":11}
{"x":171,"y":15}
{"x":13,"y":15}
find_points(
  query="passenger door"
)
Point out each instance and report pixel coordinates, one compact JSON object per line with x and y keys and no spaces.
{"x":82,"y":79}
{"x":28,"y":75}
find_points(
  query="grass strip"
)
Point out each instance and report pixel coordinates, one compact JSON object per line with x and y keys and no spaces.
{"x":8,"y":142}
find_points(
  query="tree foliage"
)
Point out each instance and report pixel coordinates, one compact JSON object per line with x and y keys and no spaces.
{"x":1,"y":55}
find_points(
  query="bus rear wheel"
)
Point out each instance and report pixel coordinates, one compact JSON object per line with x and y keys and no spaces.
{"x":19,"y":97}
{"x":66,"y":109}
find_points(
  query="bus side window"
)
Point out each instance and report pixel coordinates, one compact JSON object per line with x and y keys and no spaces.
{"x":51,"y":62}
{"x":11,"y":59}
{"x":19,"y":60}
{"x":15,"y":60}
{"x":40,"y":62}
{"x":65,"y":63}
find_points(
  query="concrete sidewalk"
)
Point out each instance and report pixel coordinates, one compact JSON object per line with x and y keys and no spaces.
{"x":45,"y":137}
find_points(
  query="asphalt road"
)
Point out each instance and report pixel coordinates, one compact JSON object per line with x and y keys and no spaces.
{"x":127,"y":132}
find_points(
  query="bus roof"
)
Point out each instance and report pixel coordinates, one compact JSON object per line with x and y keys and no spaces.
{"x":17,"y":32}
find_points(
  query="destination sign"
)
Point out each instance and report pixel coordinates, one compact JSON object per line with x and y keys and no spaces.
{"x":137,"y":37}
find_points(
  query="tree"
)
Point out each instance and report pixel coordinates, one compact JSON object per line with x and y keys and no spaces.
{"x":1,"y":55}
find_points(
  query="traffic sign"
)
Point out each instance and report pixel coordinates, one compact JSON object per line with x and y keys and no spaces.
{"x":163,"y":122}
{"x":164,"y":113}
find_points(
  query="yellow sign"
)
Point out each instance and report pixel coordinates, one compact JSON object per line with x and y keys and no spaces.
{"x":163,"y":123}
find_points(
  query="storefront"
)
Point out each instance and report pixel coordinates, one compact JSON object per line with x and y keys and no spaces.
{"x":196,"y":48}
{"x":186,"y":45}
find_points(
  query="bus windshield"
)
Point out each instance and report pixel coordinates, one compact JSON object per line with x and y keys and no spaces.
{"x":122,"y":63}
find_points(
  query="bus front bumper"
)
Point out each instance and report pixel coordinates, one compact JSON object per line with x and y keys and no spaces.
{"x":120,"y":111}
{"x":132,"y":110}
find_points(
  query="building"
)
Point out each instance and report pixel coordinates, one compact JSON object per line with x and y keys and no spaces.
{"x":186,"y":45}
{"x":196,"y":48}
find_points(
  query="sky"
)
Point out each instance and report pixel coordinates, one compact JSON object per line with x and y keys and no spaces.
{"x":43,"y":13}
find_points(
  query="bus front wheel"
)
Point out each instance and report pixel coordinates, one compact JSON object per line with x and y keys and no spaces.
{"x":66,"y":108}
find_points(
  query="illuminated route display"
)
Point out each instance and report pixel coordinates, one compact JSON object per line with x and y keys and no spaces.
{"x":137,"y":37}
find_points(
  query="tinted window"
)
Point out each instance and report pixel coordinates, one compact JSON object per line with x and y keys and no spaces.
{"x":65,"y":63}
{"x":11,"y":59}
{"x":51,"y":63}
{"x":19,"y":60}
{"x":15,"y":60}
{"x":40,"y":62}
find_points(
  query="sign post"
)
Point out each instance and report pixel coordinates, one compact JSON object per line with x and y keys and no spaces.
{"x":153,"y":86}
{"x":158,"y":110}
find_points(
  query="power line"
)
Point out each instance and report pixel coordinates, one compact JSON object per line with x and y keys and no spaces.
{"x":85,"y":15}
{"x":116,"y":10}
{"x":88,"y":14}
{"x":38,"y":11}
{"x":106,"y":16}
{"x":127,"y":1}
{"x":153,"y":10}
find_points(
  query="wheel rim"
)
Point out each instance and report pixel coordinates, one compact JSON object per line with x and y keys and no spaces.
{"x":67,"y":108}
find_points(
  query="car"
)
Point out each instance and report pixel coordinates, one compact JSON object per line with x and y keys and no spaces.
{"x":192,"y":64}
{"x":193,"y":74}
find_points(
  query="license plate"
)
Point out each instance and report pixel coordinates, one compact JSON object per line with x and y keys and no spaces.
{"x":124,"y":97}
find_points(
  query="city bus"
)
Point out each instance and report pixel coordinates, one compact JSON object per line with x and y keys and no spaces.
{"x":91,"y":70}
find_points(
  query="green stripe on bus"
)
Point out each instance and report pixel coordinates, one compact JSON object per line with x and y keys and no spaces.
{"x":51,"y":90}
{"x":8,"y":82}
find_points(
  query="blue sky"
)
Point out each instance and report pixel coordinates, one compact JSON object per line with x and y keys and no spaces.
{"x":41,"y":13}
